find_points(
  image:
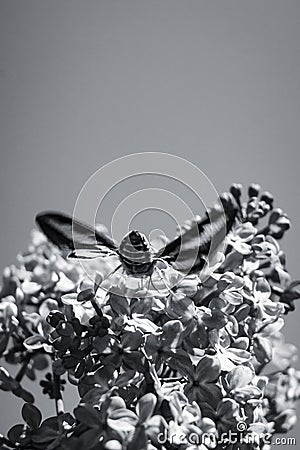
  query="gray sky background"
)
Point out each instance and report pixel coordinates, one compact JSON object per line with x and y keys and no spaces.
{"x":82,"y":83}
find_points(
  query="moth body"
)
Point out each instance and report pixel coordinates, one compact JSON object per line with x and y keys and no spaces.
{"x":135,"y":254}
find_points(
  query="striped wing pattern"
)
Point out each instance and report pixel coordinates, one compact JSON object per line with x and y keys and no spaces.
{"x":188,"y":251}
{"x":73,"y":237}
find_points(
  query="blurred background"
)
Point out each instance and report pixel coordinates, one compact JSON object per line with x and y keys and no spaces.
{"x":82,"y":83}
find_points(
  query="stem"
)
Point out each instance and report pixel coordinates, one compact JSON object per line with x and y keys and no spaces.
{"x":96,"y":307}
{"x":261,"y":368}
{"x":59,"y":404}
{"x":23,"y":368}
{"x":23,"y":323}
{"x":171,"y":379}
{"x":7,"y":442}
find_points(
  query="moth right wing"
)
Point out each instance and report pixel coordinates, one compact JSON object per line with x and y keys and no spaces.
{"x":188,"y":252}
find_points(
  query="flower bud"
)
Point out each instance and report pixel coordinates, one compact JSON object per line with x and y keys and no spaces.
{"x":253,"y":190}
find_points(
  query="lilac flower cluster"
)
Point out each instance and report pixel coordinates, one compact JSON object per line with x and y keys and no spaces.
{"x":197,"y":360}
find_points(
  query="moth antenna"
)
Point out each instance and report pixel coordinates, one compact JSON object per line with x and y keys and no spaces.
{"x":107,"y":276}
{"x":151,"y":282}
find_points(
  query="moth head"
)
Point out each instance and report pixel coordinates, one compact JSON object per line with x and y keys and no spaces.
{"x":133,"y":245}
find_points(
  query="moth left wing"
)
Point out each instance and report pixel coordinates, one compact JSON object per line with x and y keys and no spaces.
{"x":74,"y":238}
{"x":188,"y":252}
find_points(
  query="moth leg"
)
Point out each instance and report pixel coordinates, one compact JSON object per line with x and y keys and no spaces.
{"x":113,"y":271}
{"x":163,"y":280}
{"x":167,"y":265}
{"x":151,"y":282}
{"x":148,"y":286}
{"x":141,"y":283}
{"x":109,"y":274}
{"x":144,"y":285}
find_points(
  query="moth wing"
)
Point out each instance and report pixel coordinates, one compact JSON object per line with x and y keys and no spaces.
{"x":188,"y":252}
{"x":69,"y":234}
{"x":90,"y":253}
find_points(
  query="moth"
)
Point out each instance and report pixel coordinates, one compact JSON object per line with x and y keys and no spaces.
{"x":187,"y":253}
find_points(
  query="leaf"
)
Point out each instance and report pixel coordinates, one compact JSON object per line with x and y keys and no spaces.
{"x":124,"y":378}
{"x":285,"y":421}
{"x":142,"y":324}
{"x":228,"y":409}
{"x":80,"y":369}
{"x":139,"y":440}
{"x":113,"y":444}
{"x":122,"y":419}
{"x":54,"y":317}
{"x":9,"y":309}
{"x":32,"y":415}
{"x":8,"y":383}
{"x":69,"y":299}
{"x":225,"y":280}
{"x":132,"y":340}
{"x":239,"y":356}
{"x":4,"y":338}
{"x":232,"y":261}
{"x":88,"y":440}
{"x":87,"y":415}
{"x":262,"y":289}
{"x":179,"y":306}
{"x":208,"y":369}
{"x":16,"y":435}
{"x":240,"y":376}
{"x":64,"y":283}
{"x":134,"y":360}
{"x":119,"y":304}
{"x":155,"y":425}
{"x":246,"y":231}
{"x":65,"y":329}
{"x":47,"y":432}
{"x":233,"y":297}
{"x":241,"y":247}
{"x":272,"y":328}
{"x":30,"y":287}
{"x":145,"y":407}
{"x":141,"y":307}
{"x":171,"y":334}
{"x":181,"y":361}
{"x":24,"y":394}
{"x":58,"y":367}
{"x":206,"y":393}
{"x":242,"y":313}
{"x":4,"y":375}
{"x":215,"y":320}
{"x":40,"y":362}
{"x":263,"y":349}
{"x":292,"y":292}
{"x":102,"y":343}
{"x":48,"y":305}
{"x":86,"y":295}
{"x":34,"y":342}
{"x":242,"y":343}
